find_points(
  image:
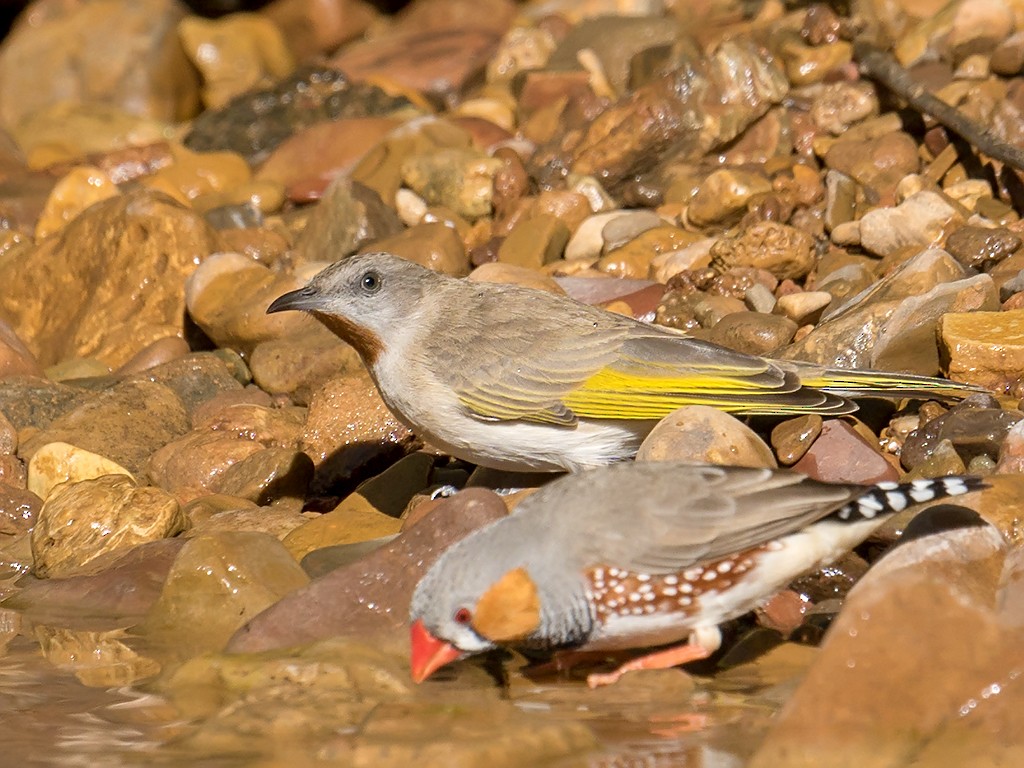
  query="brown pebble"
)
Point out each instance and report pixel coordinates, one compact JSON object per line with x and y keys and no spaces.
{"x":792,"y":438}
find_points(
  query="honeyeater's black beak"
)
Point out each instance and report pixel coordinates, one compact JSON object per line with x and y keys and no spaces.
{"x":303,"y":298}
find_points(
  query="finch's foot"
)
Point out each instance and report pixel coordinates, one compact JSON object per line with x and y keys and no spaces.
{"x":702,"y":643}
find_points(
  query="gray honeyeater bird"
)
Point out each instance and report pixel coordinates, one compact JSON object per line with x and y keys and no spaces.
{"x":519,"y":379}
{"x":637,"y":555}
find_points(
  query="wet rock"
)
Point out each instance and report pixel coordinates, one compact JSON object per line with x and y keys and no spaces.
{"x":15,"y":358}
{"x":266,"y":476}
{"x":534,"y":242}
{"x":19,"y":509}
{"x":218,"y":582}
{"x":435,"y":49}
{"x":879,"y":164}
{"x":56,"y":463}
{"x":753,"y":332}
{"x":156,"y":354}
{"x":188,"y":466}
{"x":458,"y":179}
{"x":701,"y":433}
{"x":635,"y":258}
{"x":971,"y":430}
{"x":838,"y":105}
{"x":124,"y":424}
{"x":521,"y":49}
{"x":373,"y":593}
{"x":893,"y":323}
{"x":110,"y":283}
{"x":433,"y":245}
{"x":918,"y":221}
{"x":980,"y":248}
{"x":194,"y":176}
{"x":28,"y":401}
{"x":254,"y":123}
{"x":196,"y":379}
{"x":8,"y":436}
{"x":354,"y":520}
{"x":277,"y":521}
{"x":326,"y":151}
{"x":985,"y":348}
{"x":349,"y":427}
{"x":97,"y":659}
{"x":792,"y":438}
{"x":1011,"y":452}
{"x":234,"y":54}
{"x":228,"y":296}
{"x":841,"y":455}
{"x":628,"y":226}
{"x":1008,"y":57}
{"x":724,"y":194}
{"x":496,"y":272}
{"x":349,"y":216}
{"x":784,"y":251}
{"x":727,"y":93}
{"x":125,"y":587}
{"x":587,"y":240}
{"x":82,"y":521}
{"x":79,"y":189}
{"x":64,"y":53}
{"x":300,"y":365}
{"x":942,"y":595}
{"x":316,"y":27}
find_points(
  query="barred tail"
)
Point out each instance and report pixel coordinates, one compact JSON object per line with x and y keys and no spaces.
{"x":888,"y":498}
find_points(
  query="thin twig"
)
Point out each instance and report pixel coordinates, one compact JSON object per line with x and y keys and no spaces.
{"x":881,"y":66}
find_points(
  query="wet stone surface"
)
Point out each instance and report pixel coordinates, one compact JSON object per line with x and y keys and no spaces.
{"x":212,"y":522}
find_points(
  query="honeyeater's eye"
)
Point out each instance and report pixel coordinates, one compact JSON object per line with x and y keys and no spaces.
{"x":370,"y":282}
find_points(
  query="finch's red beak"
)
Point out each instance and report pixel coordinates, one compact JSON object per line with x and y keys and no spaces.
{"x":428,"y":653}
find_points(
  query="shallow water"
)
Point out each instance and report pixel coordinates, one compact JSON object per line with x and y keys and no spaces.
{"x":48,"y":717}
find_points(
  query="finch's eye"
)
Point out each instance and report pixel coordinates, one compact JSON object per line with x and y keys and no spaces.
{"x":370,"y":282}
{"x":462,"y":616}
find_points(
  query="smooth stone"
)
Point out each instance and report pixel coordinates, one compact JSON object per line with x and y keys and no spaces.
{"x":234,"y":53}
{"x":985,"y":348}
{"x":32,"y":402}
{"x":703,"y":434}
{"x":56,"y":463}
{"x":459,"y":179}
{"x":724,"y":195}
{"x":267,"y":476}
{"x":634,"y":259}
{"x":277,"y":521}
{"x":110,"y":284}
{"x":348,"y":427}
{"x":629,"y":226}
{"x":391,"y":490}
{"x":804,"y":307}
{"x":188,"y":466}
{"x":980,"y":247}
{"x":16,"y":359}
{"x":348,"y":216}
{"x":80,"y":188}
{"x":952,"y":597}
{"x":784,"y":251}
{"x":432,"y":244}
{"x":82,"y":521}
{"x":371,"y":594}
{"x":324,"y":150}
{"x":496,"y":272}
{"x":354,"y":520}
{"x":806,"y":64}
{"x":300,"y":365}
{"x":587,"y":240}
{"x":159,"y":352}
{"x":793,"y":437}
{"x":534,"y":242}
{"x":667,"y":265}
{"x":202,"y":508}
{"x":66,"y":54}
{"x":837,"y":106}
{"x":841,"y":455}
{"x":19,"y":509}
{"x":124,"y":424}
{"x":918,"y":221}
{"x":326,"y":559}
{"x":972,"y":430}
{"x":218,"y":582}
{"x":753,"y":332}
{"x":197,"y":378}
{"x":125,"y":588}
{"x":878,"y":163}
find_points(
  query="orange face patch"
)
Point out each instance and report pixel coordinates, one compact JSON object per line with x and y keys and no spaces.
{"x":509,"y":610}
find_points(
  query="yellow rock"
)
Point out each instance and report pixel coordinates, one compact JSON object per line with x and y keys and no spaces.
{"x":74,"y":193}
{"x":199,"y":173}
{"x":57,"y":463}
{"x":985,"y":348}
{"x":355,"y":519}
{"x":634,"y":259}
{"x":234,"y":53}
{"x":82,"y":521}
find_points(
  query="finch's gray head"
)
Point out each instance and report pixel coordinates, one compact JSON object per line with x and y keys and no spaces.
{"x":363,"y":299}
